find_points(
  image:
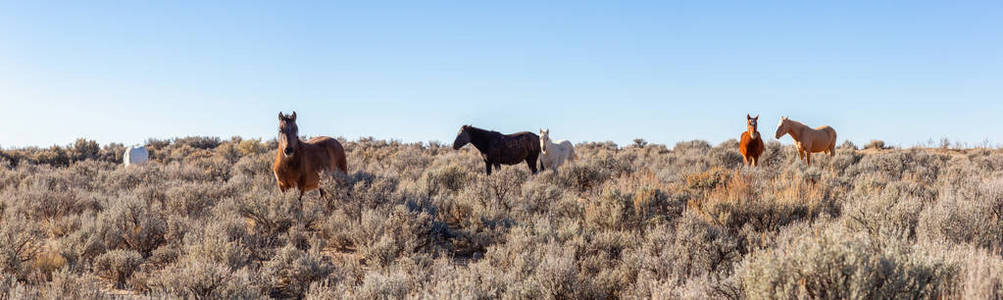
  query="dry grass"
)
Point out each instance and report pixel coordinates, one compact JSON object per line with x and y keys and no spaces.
{"x":204,"y":220}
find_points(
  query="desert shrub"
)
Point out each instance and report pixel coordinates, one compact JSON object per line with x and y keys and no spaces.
{"x":117,"y":265}
{"x":875,"y":144}
{"x":80,"y":247}
{"x":250,"y":147}
{"x":132,"y":177}
{"x":132,"y":223}
{"x":971,"y":212}
{"x":381,"y":239}
{"x":67,"y":285}
{"x":446,"y":179}
{"x":112,"y":153}
{"x":49,"y":201}
{"x":981,"y":275}
{"x":379,"y":286}
{"x":198,"y":279}
{"x":194,"y":199}
{"x":503,"y":185}
{"x":726,"y":155}
{"x":538,"y":195}
{"x":583,"y":177}
{"x":198,"y":142}
{"x":83,"y":149}
{"x":695,"y":248}
{"x":11,"y":288}
{"x":848,"y":145}
{"x":222,"y":240}
{"x":273,"y":213}
{"x":291,"y":271}
{"x":253,"y":165}
{"x":837,"y":264}
{"x":19,"y":243}
{"x":557,"y":274}
{"x":708,"y":180}
{"x":609,"y":210}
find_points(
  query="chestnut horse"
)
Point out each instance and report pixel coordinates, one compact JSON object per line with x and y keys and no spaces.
{"x":807,"y":140}
{"x":299,"y":164}
{"x":497,"y":148}
{"x":751,"y":145}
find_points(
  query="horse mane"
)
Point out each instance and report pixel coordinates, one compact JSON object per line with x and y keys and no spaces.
{"x":480,"y":137}
{"x":796,"y":123}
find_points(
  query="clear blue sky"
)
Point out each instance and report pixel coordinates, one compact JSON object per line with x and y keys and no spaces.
{"x":666,"y":71}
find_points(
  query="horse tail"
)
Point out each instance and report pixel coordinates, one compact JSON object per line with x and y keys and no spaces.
{"x":834,"y":139}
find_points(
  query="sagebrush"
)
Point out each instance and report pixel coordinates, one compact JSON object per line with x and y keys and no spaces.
{"x":204,"y":220}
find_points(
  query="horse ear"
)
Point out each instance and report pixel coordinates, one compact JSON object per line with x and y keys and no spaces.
{"x":756,"y":117}
{"x":293,"y":116}
{"x":747,"y":117}
{"x":281,"y":116}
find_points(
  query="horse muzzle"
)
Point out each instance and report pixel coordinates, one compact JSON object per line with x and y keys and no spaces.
{"x":288,"y":152}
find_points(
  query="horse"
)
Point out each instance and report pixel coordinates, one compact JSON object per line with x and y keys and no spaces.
{"x":807,"y":140}
{"x":751,"y":145}
{"x":554,"y":155}
{"x":299,"y":164}
{"x":135,"y":155}
{"x":497,"y":148}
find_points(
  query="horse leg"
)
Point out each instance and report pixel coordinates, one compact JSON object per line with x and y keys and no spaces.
{"x":532,"y":165}
{"x":322,"y":194}
{"x":807,"y":158}
{"x":745,"y":160}
{"x":487,"y":166}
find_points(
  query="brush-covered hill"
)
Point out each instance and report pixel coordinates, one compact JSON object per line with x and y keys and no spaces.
{"x":204,"y":219}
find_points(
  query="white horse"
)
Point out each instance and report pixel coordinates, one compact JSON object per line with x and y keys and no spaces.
{"x":553,"y":155}
{"x":135,"y":155}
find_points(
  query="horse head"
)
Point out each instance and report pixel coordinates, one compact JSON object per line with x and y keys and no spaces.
{"x":462,"y":138}
{"x":751,"y":124}
{"x":288,"y":134}
{"x":544,"y":139}
{"x":782,"y":127}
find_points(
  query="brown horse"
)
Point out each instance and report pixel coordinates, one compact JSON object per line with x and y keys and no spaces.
{"x":497,"y":148}
{"x":751,"y":144}
{"x":299,"y":164}
{"x":807,"y":140}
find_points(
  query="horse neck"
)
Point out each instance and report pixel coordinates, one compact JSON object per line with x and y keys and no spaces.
{"x":480,"y":138}
{"x":753,"y":133}
{"x":550,"y":143}
{"x":795,"y":129}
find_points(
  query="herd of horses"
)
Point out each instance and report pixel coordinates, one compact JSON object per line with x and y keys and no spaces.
{"x":300,"y":164}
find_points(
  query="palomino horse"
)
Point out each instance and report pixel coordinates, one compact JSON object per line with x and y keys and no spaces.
{"x":807,"y":140}
{"x":751,"y":145}
{"x":497,"y":148}
{"x":299,"y":164}
{"x":554,"y":155}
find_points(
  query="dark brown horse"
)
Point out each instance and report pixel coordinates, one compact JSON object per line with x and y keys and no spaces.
{"x":751,"y":144}
{"x":299,"y":164}
{"x":497,"y":148}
